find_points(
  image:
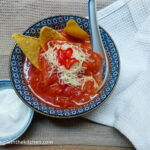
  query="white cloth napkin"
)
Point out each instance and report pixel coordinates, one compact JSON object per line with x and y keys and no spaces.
{"x":128,"y":107}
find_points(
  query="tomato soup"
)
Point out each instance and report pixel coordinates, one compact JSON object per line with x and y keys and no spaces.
{"x":70,"y":73}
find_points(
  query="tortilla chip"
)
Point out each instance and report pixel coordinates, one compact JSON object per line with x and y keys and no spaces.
{"x":48,"y":34}
{"x":30,"y":47}
{"x":74,"y":30}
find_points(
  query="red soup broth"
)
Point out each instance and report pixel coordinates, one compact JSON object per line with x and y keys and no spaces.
{"x":48,"y":89}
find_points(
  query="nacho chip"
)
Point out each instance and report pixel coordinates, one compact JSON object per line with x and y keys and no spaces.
{"x":74,"y":30}
{"x":30,"y":47}
{"x":47,"y":34}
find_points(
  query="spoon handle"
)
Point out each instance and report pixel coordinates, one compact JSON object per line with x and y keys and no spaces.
{"x":97,"y":44}
{"x":95,"y":35}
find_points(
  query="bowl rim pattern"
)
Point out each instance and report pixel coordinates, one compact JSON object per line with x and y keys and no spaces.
{"x":68,"y":116}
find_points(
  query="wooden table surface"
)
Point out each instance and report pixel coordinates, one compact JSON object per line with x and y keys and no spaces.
{"x":74,"y":134}
{"x":63,"y":148}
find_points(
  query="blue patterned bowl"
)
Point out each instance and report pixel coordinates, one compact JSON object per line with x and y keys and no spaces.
{"x":21,"y":89}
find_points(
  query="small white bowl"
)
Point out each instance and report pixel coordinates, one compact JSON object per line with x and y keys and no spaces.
{"x":6,"y":84}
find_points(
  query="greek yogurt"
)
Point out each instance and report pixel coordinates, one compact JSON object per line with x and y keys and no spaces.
{"x":14,"y":114}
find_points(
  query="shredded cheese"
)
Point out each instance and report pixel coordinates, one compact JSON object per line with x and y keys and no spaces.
{"x":70,"y":76}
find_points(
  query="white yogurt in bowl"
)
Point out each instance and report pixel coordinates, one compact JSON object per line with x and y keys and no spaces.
{"x":15,"y":116}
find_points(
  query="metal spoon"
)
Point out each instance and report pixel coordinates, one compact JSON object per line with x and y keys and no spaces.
{"x":97,"y":44}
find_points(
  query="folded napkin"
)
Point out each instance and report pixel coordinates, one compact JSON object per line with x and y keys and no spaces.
{"x":128,"y":107}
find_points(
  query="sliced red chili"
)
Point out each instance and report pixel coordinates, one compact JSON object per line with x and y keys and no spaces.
{"x":70,"y":62}
{"x":61,"y":54}
{"x":73,"y":60}
{"x":64,"y":58}
{"x":67,"y":63}
{"x":61,"y":61}
{"x":69,"y":52}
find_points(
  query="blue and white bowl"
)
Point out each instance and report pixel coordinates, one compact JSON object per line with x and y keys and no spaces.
{"x":16,"y":69}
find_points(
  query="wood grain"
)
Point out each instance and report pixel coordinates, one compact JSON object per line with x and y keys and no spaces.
{"x":14,"y":147}
{"x":77,"y":131}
